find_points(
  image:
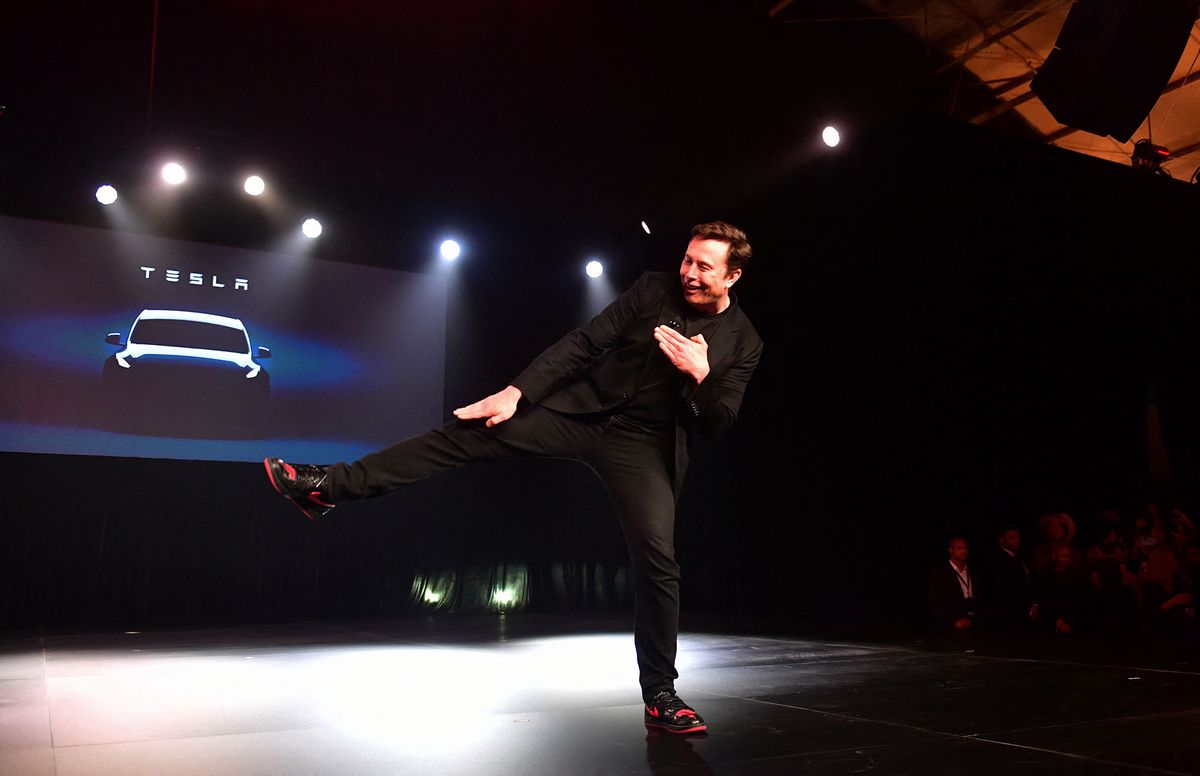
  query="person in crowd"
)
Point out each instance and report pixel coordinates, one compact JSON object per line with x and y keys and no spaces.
{"x":952,"y":589}
{"x":1160,"y":570}
{"x":1057,"y":530}
{"x":1181,"y":607}
{"x":1148,"y":530}
{"x":1060,"y":593}
{"x":1110,"y":549}
{"x":1181,"y":529}
{"x":1012,"y":601}
{"x":1113,"y":598}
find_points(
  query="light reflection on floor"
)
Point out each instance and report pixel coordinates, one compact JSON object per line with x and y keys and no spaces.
{"x":535,"y":694}
{"x":398,"y":700}
{"x":443,"y":696}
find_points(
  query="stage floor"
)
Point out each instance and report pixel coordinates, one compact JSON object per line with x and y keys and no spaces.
{"x":526,"y":694}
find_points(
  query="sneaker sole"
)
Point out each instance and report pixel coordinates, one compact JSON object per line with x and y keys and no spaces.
{"x":279,"y":490}
{"x":694,"y":729}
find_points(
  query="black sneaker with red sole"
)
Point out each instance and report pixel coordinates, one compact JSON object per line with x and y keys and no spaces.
{"x":665,"y":710}
{"x":305,"y":486}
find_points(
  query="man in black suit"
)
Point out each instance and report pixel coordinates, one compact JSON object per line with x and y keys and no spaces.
{"x":623,"y":394}
{"x":1012,"y":602}
{"x":952,"y":589}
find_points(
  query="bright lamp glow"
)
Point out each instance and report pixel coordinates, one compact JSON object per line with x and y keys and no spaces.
{"x":646,"y":227}
{"x":106,"y":195}
{"x":503,"y":597}
{"x":450,"y":250}
{"x":173,"y":173}
{"x":594,"y":269}
{"x":254,"y":186}
{"x":311,"y":228}
{"x":432,"y":597}
{"x":830,"y":136}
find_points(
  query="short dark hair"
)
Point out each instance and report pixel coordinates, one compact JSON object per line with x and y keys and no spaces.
{"x":739,"y":246}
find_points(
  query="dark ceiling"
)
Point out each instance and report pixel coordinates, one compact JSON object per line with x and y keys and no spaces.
{"x":598,"y":113}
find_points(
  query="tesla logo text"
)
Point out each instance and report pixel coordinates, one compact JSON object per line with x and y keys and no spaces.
{"x":196,"y":279}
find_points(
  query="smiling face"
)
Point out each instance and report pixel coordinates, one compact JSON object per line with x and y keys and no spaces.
{"x":705,"y":275}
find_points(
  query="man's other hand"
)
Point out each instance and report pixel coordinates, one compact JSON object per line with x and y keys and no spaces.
{"x":497,"y":408}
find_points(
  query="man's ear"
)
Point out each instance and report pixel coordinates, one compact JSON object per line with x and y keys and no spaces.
{"x":732,"y":277}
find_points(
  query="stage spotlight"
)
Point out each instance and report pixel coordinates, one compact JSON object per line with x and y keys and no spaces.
{"x":311,"y":228}
{"x":432,"y":597}
{"x":830,"y":136}
{"x":450,"y":250}
{"x":106,"y":195}
{"x":503,"y":597}
{"x":646,"y":227}
{"x":173,"y":173}
{"x":594,"y":269}
{"x":254,"y":186}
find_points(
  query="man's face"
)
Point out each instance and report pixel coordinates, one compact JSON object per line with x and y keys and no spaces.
{"x":1011,"y":541}
{"x":958,"y":551}
{"x":705,"y":275}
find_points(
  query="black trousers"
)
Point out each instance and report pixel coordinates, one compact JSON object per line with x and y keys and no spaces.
{"x":634,"y":463}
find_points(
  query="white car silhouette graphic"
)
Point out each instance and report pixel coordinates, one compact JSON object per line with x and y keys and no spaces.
{"x":185,"y":334}
{"x":186,"y":370}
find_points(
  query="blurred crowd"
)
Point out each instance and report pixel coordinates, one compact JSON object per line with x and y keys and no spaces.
{"x":1112,"y":573}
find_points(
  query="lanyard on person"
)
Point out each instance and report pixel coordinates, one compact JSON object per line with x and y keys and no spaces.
{"x":964,"y":580}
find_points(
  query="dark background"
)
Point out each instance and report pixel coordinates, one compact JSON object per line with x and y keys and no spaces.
{"x":962,"y":327}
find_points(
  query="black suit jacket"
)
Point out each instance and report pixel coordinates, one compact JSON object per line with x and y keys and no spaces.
{"x":597,"y":368}
{"x":1011,"y":588}
{"x":946,"y":601}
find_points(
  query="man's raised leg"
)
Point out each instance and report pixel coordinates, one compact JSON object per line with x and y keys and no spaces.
{"x":532,"y":431}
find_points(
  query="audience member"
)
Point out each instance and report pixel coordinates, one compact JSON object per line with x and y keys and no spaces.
{"x":952,"y":590}
{"x":1159,"y":568}
{"x":1109,"y":549}
{"x":1181,"y":607}
{"x":1146,"y":535}
{"x":1012,"y":601}
{"x":1114,"y":601}
{"x":1180,"y":527}
{"x":1057,"y":530}
{"x":1060,"y":594}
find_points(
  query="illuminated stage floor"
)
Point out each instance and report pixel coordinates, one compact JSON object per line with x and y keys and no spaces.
{"x":546,"y":695}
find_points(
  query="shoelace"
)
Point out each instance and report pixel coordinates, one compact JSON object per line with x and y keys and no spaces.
{"x":673,"y":706}
{"x":306,"y":476}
